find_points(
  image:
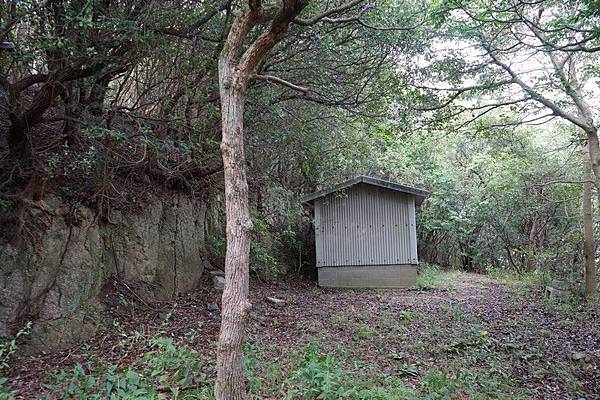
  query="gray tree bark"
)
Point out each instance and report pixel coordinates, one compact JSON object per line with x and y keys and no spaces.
{"x":589,"y":245}
{"x":236,"y":72}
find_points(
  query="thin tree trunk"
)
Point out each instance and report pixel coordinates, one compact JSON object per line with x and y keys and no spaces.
{"x":589,"y":245}
{"x":592,"y":150}
{"x":237,"y":69}
{"x":230,"y":384}
{"x":531,"y":243}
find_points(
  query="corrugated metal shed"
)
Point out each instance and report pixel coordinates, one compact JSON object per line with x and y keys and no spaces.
{"x":366,"y":222}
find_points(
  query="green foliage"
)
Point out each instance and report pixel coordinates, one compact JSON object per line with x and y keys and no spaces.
{"x":364,"y":332}
{"x":6,"y":393}
{"x":539,"y":278}
{"x":5,"y":205}
{"x":407,"y":315}
{"x":320,"y":375}
{"x":173,"y":368}
{"x":216,"y":245}
{"x":266,"y":244}
{"x":437,"y":385}
{"x":251,"y":367}
{"x":101,"y":133}
{"x":9,"y":347}
{"x":489,"y":197}
{"x":428,"y":276}
{"x":477,"y":338}
{"x":166,"y":369}
{"x":92,"y":383}
{"x":262,"y":261}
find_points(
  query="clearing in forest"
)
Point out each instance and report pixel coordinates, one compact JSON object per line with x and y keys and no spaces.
{"x":470,"y":337}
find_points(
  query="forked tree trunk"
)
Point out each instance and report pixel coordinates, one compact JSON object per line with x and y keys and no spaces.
{"x":589,"y":245}
{"x":230,"y":383}
{"x":237,"y":68}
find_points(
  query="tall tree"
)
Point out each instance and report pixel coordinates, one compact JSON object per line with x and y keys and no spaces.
{"x":535,"y":61}
{"x":237,"y":70}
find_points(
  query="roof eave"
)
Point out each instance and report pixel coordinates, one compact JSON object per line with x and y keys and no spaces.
{"x":420,"y":194}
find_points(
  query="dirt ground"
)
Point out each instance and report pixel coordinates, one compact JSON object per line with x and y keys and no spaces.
{"x":501,"y":336}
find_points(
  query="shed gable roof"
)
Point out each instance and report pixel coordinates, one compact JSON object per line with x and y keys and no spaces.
{"x":419,"y":194}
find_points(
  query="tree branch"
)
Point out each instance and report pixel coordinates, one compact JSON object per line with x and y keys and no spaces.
{"x":290,"y":9}
{"x":327,"y":13}
{"x":534,"y":94}
{"x":279,"y":81}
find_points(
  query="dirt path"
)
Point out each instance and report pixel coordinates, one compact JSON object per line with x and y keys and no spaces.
{"x":498,"y":339}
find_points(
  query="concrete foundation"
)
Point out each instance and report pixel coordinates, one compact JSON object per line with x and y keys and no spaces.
{"x":368,"y":276}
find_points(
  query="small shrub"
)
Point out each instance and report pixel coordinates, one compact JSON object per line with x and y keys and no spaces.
{"x":364,"y":331}
{"x":407,"y":315}
{"x":216,"y":245}
{"x":262,"y":262}
{"x":5,"y":205}
{"x":10,"y":346}
{"x":428,"y":276}
{"x":95,"y":383}
{"x":476,"y":339}
{"x":251,"y":367}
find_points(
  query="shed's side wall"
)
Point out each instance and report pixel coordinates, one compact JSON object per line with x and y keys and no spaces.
{"x":365,"y":225}
{"x":369,"y":276}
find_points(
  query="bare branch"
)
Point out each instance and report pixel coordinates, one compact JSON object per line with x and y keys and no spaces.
{"x":279,"y":81}
{"x":565,"y":182}
{"x":459,"y":91}
{"x":534,"y":94}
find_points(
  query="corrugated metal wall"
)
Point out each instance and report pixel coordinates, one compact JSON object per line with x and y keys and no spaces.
{"x":365,"y":225}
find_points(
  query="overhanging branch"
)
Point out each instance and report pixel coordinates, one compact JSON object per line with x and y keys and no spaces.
{"x":283,"y":82}
{"x":327,"y":13}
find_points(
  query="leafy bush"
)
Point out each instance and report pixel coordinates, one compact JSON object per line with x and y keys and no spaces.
{"x":262,"y":262}
{"x":407,"y":315}
{"x":5,"y":205}
{"x":95,"y":383}
{"x":216,"y":245}
{"x":428,"y":276}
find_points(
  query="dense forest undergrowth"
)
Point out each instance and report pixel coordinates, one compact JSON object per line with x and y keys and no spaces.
{"x":459,"y":336}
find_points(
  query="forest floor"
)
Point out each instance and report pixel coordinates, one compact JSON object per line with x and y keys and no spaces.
{"x":471,"y":337}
